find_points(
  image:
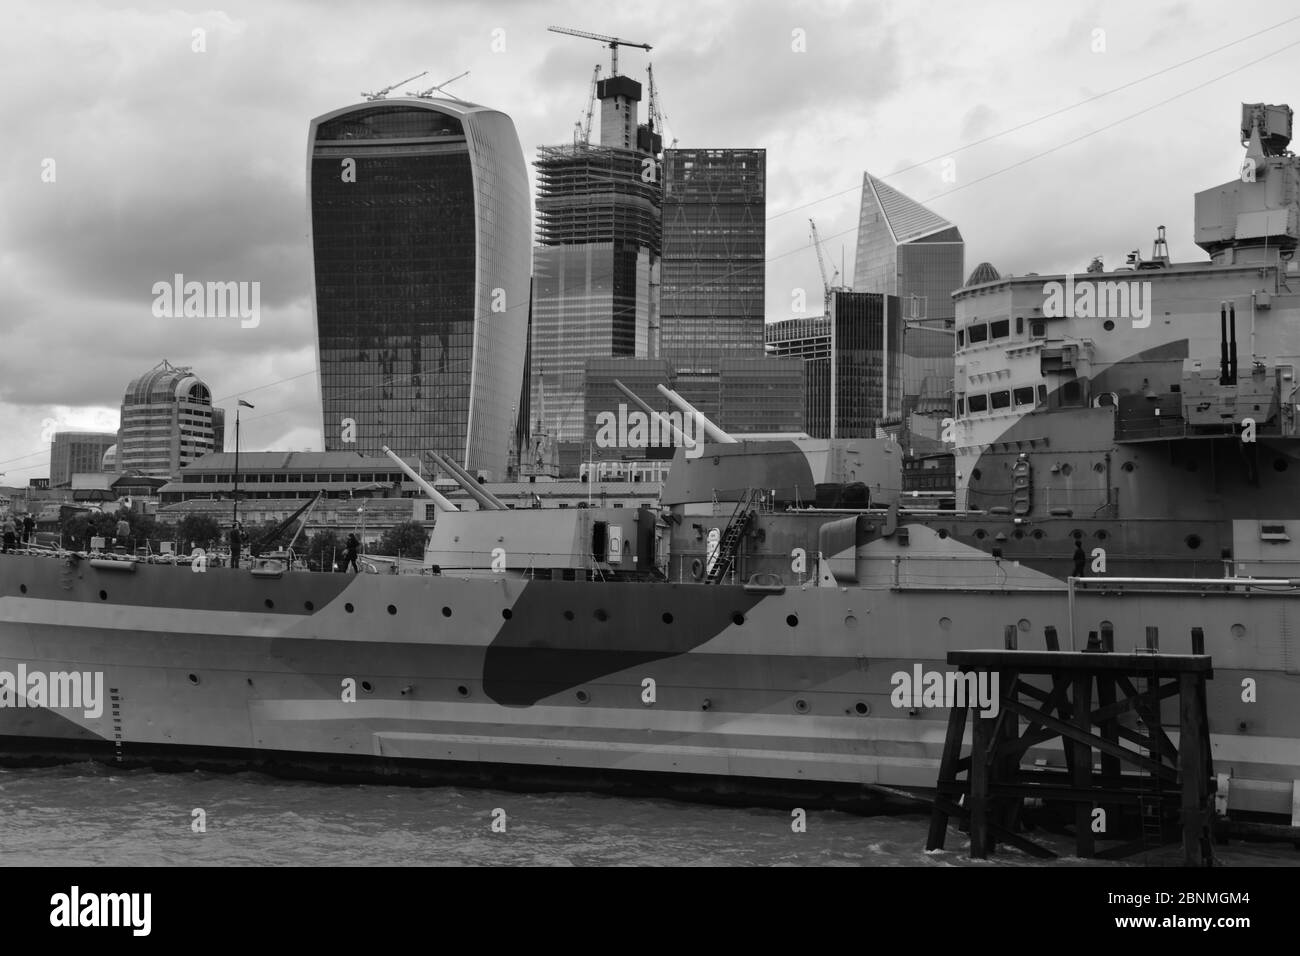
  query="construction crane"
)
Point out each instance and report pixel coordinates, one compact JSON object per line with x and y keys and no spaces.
{"x":613,"y":42}
{"x":428,"y":94}
{"x":657,"y":119}
{"x":380,"y":94}
{"x":830,"y":284}
{"x":584,"y":126}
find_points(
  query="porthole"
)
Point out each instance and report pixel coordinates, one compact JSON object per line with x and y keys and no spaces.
{"x":981,"y":534}
{"x":1038,"y":534}
{"x":1102,"y":535}
{"x":601,"y":614}
{"x":506,"y":613}
{"x":1023,"y":624}
{"x":309,"y":605}
{"x":737,"y":618}
{"x":22,"y":588}
{"x":850,"y":621}
{"x":568,"y":615}
{"x":943,"y":533}
{"x":462,"y":690}
{"x":269,"y":604}
{"x":945,"y":622}
{"x":1067,"y":469}
{"x":1238,"y":630}
{"x":801,"y":706}
{"x":792,"y":620}
{"x":1098,"y":467}
{"x":1127,"y":466}
{"x":862,"y":707}
{"x":349,"y":608}
{"x":194,"y":678}
{"x":392,"y":609}
{"x":667,"y":617}
{"x":103,"y":595}
{"x":1018,"y":534}
{"x":446,"y":612}
{"x":367,"y":686}
{"x":1193,"y":541}
{"x":583,"y":696}
{"x":1108,"y":325}
{"x":975,"y":475}
{"x":1076,"y":534}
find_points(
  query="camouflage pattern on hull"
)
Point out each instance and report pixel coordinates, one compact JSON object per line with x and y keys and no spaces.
{"x":793,"y":686}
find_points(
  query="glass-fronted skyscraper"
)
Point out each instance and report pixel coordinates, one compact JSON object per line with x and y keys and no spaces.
{"x":420,"y":225}
{"x":166,"y":423}
{"x":713,"y":269}
{"x":908,"y":251}
{"x":866,"y":347}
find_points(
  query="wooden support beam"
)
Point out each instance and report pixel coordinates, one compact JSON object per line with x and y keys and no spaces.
{"x":1083,"y":836}
{"x":981,"y":741}
{"x":948,"y":769}
{"x":1071,"y":732}
{"x":1191,"y":764}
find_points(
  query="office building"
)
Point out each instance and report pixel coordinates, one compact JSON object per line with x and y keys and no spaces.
{"x":166,"y":422}
{"x":74,"y":452}
{"x":905,"y":250}
{"x":866,"y":348}
{"x":714,"y":246}
{"x":420,"y":223}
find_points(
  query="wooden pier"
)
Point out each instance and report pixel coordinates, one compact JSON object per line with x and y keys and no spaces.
{"x":1089,"y":700}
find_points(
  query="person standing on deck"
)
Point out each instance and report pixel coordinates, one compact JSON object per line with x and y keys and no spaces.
{"x":29,"y":528}
{"x":350,"y":554}
{"x":10,"y":534}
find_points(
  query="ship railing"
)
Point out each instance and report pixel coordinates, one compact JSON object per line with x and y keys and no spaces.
{"x":1108,"y":586}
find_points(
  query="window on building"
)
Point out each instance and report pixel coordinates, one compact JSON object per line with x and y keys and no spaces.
{"x":979,"y":403}
{"x":1025,"y":396}
{"x":1000,"y":329}
{"x":978,"y":333}
{"x":1001,"y":399}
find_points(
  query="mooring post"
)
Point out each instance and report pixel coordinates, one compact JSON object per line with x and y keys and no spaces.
{"x":1049,"y":635}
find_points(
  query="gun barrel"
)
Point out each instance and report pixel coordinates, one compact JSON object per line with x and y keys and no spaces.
{"x":441,"y":502}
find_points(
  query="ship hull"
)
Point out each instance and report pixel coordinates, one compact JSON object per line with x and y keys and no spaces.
{"x":673,"y":688}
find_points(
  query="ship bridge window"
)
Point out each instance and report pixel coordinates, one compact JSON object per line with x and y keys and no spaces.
{"x":961,"y":407}
{"x":979,"y":403}
{"x":978,"y":333}
{"x":1001,"y":399}
{"x":961,"y":337}
{"x":1038,"y":330}
{"x":1071,"y":392}
{"x":1042,"y":394}
{"x":1273,"y":532}
{"x":1020,"y":325}
{"x":1025,"y":396}
{"x":1000,"y":329}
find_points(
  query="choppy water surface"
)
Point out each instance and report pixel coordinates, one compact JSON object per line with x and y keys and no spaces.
{"x":87,"y":814}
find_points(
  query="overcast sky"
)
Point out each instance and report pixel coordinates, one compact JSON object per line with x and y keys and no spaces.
{"x":168,"y":160}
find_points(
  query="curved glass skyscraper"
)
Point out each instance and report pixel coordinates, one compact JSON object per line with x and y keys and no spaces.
{"x":420,"y":228}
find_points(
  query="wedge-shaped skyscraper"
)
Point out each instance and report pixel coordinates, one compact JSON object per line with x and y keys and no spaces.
{"x":420,"y":229}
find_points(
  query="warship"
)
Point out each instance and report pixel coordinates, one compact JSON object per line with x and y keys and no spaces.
{"x":1122,"y":446}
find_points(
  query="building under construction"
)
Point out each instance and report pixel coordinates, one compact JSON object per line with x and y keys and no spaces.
{"x":597,"y":259}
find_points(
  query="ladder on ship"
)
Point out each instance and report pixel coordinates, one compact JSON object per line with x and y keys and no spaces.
{"x":729,"y":544}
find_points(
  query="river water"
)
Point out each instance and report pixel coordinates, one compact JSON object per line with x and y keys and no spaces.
{"x":88,"y":814}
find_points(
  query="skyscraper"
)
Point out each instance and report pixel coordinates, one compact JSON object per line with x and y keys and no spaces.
{"x":713,"y":272}
{"x":77,"y":452}
{"x":166,"y":423}
{"x":908,"y":251}
{"x":597,"y":258}
{"x":419,"y":218}
{"x":865,"y":348}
